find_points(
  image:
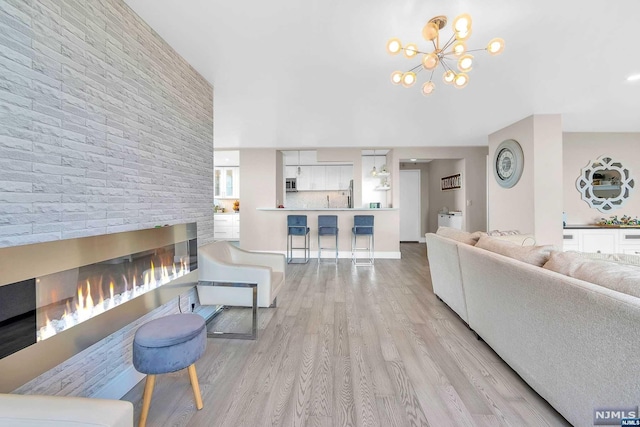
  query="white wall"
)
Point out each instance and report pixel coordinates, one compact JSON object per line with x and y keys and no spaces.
{"x":534,"y":204}
{"x":581,"y":148}
{"x":473,"y":175}
{"x":452,"y":199}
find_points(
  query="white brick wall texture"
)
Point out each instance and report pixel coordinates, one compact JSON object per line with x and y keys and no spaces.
{"x":103,"y":128}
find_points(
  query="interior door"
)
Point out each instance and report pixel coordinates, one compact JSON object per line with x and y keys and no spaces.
{"x":410,"y":206}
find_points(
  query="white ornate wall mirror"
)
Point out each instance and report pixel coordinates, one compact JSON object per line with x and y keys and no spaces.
{"x":605,"y":184}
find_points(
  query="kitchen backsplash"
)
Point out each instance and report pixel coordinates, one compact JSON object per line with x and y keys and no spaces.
{"x":227,"y":204}
{"x":316,"y":199}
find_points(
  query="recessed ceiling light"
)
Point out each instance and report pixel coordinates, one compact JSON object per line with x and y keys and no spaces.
{"x":413,"y":160}
{"x":633,"y":78}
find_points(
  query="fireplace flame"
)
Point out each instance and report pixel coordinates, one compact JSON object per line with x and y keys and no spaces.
{"x":85,"y":307}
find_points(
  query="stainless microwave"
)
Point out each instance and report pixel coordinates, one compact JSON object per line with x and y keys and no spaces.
{"x":291,"y":184}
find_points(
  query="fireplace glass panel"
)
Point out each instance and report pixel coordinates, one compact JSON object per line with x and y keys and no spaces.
{"x":70,"y":297}
{"x":17,"y":316}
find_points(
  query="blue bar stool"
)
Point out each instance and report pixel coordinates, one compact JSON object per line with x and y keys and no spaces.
{"x":362,"y":226}
{"x":327,"y":226}
{"x":297,"y":226}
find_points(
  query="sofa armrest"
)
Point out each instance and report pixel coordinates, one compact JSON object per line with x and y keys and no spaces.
{"x":31,"y":411}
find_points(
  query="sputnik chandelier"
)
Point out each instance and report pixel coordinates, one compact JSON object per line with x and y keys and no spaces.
{"x":455,"y":49}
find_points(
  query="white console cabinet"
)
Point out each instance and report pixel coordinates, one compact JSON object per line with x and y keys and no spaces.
{"x":602,"y":240}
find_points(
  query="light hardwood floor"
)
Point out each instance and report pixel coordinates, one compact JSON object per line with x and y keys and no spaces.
{"x":351,"y":346}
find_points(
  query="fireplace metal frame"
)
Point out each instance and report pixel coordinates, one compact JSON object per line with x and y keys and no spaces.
{"x":24,"y":262}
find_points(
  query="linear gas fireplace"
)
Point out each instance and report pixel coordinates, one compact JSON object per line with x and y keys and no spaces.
{"x":58,"y":298}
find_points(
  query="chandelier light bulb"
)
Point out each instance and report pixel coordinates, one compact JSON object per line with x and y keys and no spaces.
{"x":430,"y":61}
{"x":410,"y":50}
{"x":495,"y":46}
{"x":459,"y":48}
{"x":462,"y":35}
{"x":461,"y":80}
{"x":394,"y":46}
{"x":465,"y":63}
{"x":396,"y":77}
{"x":462,"y":23}
{"x":428,"y":88}
{"x":408,"y":79}
{"x":430,"y":31}
{"x":448,"y":76}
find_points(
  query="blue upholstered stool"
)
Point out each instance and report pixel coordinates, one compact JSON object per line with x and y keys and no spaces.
{"x":169,"y":344}
{"x":327,"y":226}
{"x":362,"y":226}
{"x":297,"y":226}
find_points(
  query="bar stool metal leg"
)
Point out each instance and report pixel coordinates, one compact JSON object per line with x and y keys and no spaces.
{"x":327,"y":226}
{"x":362,"y":226}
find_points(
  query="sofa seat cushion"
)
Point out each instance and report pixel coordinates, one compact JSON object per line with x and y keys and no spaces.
{"x":616,"y":276}
{"x":535,"y":255}
{"x":460,"y":235}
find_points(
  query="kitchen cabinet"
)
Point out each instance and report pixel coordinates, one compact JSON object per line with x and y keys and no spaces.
{"x":320,"y":177}
{"x":290,"y":171}
{"x":226,"y":182}
{"x":303,"y":180}
{"x":226,"y":226}
{"x":338,"y":177}
{"x":602,"y":240}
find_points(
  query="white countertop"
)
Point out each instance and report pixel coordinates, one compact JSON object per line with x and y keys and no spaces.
{"x":328,"y":209}
{"x":226,"y":213}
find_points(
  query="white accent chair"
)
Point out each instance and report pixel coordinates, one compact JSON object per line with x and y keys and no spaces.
{"x":37,"y":411}
{"x":223,"y":262}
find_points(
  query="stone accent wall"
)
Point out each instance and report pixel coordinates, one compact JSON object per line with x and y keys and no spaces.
{"x":87,"y":373}
{"x":103,"y":128}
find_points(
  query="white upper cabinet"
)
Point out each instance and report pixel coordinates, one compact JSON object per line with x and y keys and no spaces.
{"x":291,"y":172}
{"x":303,"y":180}
{"x":318,"y":178}
{"x":226,"y":182}
{"x":332,"y":177}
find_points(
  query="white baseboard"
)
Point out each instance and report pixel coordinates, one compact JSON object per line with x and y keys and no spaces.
{"x":120,"y":385}
{"x":327,"y":254}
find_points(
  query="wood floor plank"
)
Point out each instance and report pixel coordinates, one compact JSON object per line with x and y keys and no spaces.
{"x":344,"y":408}
{"x":351,"y":346}
{"x":298,"y":409}
{"x":322,"y":395}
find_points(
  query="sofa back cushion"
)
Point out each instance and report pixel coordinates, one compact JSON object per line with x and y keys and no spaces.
{"x":535,"y":255}
{"x":619,"y":258}
{"x":617,"y":276}
{"x":460,"y":235}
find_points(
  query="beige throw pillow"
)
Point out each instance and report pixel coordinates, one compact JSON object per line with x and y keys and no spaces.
{"x":536,"y":255}
{"x":619,"y":277}
{"x":459,"y":235}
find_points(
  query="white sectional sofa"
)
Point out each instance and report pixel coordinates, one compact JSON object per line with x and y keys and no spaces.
{"x":575,"y":342}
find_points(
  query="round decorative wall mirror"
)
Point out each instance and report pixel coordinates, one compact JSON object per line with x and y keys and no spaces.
{"x":605,"y":184}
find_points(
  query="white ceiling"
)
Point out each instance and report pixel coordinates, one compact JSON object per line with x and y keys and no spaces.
{"x":314,"y":73}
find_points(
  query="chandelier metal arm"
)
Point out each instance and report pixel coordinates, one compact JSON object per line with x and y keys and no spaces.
{"x":449,"y":43}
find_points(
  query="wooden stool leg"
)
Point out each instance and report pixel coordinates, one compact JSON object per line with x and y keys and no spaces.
{"x":146,"y":399}
{"x":196,"y":387}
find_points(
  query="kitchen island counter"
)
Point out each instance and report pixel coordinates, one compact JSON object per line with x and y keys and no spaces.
{"x":273,"y":225}
{"x":329,"y":209}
